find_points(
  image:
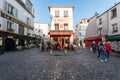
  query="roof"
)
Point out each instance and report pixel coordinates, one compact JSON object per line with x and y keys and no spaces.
{"x":109,"y":9}
{"x":61,"y":7}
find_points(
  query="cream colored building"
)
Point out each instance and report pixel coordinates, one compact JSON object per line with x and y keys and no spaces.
{"x":61,"y":22}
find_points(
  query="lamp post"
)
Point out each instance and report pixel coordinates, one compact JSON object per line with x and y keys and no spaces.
{"x":51,"y":17}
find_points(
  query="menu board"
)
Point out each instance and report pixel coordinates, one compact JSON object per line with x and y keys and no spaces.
{"x":1,"y":42}
{"x":16,"y":41}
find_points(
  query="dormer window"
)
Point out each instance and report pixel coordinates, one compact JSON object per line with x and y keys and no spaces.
{"x":113,"y":13}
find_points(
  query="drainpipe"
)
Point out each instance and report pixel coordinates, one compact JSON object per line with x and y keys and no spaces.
{"x":107,"y":23}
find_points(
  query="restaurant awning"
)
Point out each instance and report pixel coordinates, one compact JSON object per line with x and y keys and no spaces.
{"x":96,"y":37}
{"x":113,"y":38}
{"x":61,"y":32}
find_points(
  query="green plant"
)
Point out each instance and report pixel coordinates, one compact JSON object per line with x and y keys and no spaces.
{"x":28,"y":34}
{"x":10,"y":29}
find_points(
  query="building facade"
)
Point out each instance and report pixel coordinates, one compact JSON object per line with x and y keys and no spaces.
{"x":16,"y":23}
{"x":61,"y":28}
{"x":42,"y":30}
{"x":80,"y":29}
{"x":107,"y":27}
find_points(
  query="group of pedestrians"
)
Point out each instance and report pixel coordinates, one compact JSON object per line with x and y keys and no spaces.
{"x":103,"y":49}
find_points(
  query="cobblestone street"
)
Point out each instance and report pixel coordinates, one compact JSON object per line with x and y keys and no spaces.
{"x":34,"y":65}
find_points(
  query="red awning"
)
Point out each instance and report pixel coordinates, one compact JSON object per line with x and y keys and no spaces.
{"x":95,"y":37}
{"x":53,"y":33}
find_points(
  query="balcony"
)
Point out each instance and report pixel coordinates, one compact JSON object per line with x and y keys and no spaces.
{"x":114,"y":31}
{"x":10,"y":29}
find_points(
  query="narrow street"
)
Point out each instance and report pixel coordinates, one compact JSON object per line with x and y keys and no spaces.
{"x":30,"y":64}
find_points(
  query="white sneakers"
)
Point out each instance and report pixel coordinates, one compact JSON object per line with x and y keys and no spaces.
{"x":103,"y":60}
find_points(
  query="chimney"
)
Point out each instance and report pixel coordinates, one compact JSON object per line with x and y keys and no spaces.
{"x":96,"y":13}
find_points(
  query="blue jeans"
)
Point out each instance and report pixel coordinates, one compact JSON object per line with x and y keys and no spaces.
{"x":103,"y":55}
{"x":94,"y":49}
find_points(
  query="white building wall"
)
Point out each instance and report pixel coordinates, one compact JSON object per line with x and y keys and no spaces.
{"x":22,"y":15}
{"x":63,"y":19}
{"x":104,"y":24}
{"x":92,"y":27}
{"x":114,"y":20}
{"x":68,"y":19}
{"x":81,"y":27}
{"x":44,"y":29}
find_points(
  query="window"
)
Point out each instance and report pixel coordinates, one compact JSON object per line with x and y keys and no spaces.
{"x":9,"y":26}
{"x":56,"y":13}
{"x":10,"y":9}
{"x":65,"y":26}
{"x":39,"y":30}
{"x":65,"y":13}
{"x":113,"y":13}
{"x":100,"y":21}
{"x":56,"y":26}
{"x":28,"y":21}
{"x":21,"y":29}
{"x":115,"y":28}
{"x":88,"y":20}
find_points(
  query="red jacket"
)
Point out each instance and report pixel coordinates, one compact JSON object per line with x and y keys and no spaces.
{"x":107,"y":46}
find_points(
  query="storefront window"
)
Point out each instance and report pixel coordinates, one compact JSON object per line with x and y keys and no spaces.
{"x":1,"y":42}
{"x":16,"y":41}
{"x":25,"y":42}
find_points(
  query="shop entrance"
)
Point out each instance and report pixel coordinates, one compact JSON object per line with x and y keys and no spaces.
{"x":9,"y":44}
{"x":60,"y":41}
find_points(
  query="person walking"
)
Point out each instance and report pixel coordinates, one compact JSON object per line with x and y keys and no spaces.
{"x":98,"y":49}
{"x":108,"y":48}
{"x":94,"y":46}
{"x":102,"y":52}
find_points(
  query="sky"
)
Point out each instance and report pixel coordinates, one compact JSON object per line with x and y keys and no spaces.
{"x":82,"y":8}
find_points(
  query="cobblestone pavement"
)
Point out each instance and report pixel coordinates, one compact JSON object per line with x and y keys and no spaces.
{"x":34,"y":65}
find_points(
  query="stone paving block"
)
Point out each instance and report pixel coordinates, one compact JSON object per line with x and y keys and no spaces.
{"x":34,"y":65}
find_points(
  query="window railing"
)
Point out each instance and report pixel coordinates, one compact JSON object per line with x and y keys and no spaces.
{"x":114,"y":31}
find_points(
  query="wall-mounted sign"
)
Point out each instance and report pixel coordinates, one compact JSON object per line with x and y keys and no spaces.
{"x":61,"y":20}
{"x":4,"y":15}
{"x":61,"y":25}
{"x":10,"y":37}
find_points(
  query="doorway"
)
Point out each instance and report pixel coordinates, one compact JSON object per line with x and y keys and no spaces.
{"x":9,"y":44}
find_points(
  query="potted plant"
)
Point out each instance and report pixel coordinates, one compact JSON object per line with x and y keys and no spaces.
{"x":10,"y":29}
{"x":28,"y":34}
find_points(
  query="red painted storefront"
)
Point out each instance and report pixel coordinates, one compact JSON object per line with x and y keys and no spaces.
{"x":89,"y":40}
{"x":60,"y":35}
